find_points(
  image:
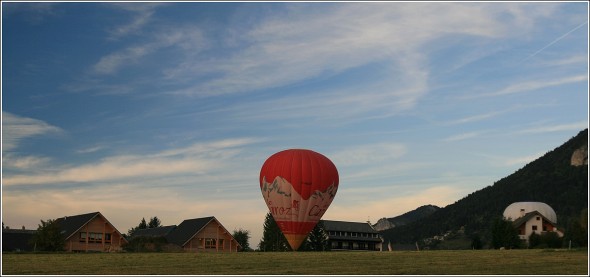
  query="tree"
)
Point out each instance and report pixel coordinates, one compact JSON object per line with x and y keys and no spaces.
{"x":476,"y":242}
{"x":551,"y":240}
{"x":577,"y":230}
{"x":272,"y":236}
{"x":154,"y":222}
{"x":317,"y":240}
{"x":242,"y":236}
{"x":142,"y":225}
{"x":504,"y":234}
{"x":534,"y":240}
{"x":48,"y":236}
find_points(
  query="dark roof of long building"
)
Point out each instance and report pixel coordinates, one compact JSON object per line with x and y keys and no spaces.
{"x":17,"y":240}
{"x":187,"y":229}
{"x":161,"y":231}
{"x":356,"y":231}
{"x":345,"y":226}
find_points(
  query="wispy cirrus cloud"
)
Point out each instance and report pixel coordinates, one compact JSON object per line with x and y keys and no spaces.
{"x":141,"y":14}
{"x":181,"y":37}
{"x":295,"y":47}
{"x":369,"y":153}
{"x":198,"y":159}
{"x":304,"y":46}
{"x":576,"y":126}
{"x":462,"y":136}
{"x":11,"y":161}
{"x":90,"y":149}
{"x":35,"y":13}
{"x":532,"y":85}
{"x":521,"y":160}
{"x":17,"y":128}
{"x":476,"y":118}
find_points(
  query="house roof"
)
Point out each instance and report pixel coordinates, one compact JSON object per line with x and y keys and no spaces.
{"x":350,"y":227}
{"x":70,"y":225}
{"x":17,"y":239}
{"x":161,"y":231}
{"x":344,"y":226}
{"x":528,"y":216}
{"x":517,"y":209}
{"x":187,"y":230}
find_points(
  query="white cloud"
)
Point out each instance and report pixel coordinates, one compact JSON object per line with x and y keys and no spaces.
{"x":183,"y":37}
{"x":297,"y":45}
{"x":10,"y":160}
{"x":368,"y":154}
{"x":536,"y":85}
{"x":34,"y":13}
{"x":141,"y":14}
{"x":17,"y":128}
{"x":195,"y":160}
{"x":90,"y":149}
{"x":522,"y":160}
{"x":462,"y":136}
{"x":577,"y":126}
{"x":475,"y":118}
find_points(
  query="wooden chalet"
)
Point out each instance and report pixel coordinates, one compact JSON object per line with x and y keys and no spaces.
{"x":90,"y":232}
{"x":204,"y":234}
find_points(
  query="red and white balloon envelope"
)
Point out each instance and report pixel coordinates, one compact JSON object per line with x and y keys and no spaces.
{"x":298,"y":186}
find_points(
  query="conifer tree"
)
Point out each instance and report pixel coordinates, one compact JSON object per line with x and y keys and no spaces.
{"x":154,"y":222}
{"x":272,"y":236}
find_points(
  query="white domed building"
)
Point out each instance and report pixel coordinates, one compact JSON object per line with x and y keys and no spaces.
{"x":532,"y":217}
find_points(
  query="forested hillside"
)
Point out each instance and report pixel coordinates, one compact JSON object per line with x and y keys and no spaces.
{"x":411,"y":216}
{"x":551,"y":179}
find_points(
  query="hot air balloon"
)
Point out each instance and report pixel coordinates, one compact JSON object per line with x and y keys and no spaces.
{"x":298,"y":186}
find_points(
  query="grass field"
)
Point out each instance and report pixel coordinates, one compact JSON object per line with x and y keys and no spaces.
{"x":460,"y":262}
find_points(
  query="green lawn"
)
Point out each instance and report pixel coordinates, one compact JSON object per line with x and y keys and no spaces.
{"x":460,"y":262}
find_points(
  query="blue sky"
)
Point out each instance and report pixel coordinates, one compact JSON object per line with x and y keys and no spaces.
{"x":170,"y":109}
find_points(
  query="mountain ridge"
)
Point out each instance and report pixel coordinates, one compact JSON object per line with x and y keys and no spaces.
{"x":408,"y":217}
{"x":552,"y":179}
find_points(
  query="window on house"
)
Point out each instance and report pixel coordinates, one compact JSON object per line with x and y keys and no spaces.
{"x":210,"y":243}
{"x":534,"y":227}
{"x":107,"y":237}
{"x":95,"y":237}
{"x":538,"y":218}
{"x":221,"y":245}
{"x":82,"y":236}
{"x":544,"y":228}
{"x":354,"y":234}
